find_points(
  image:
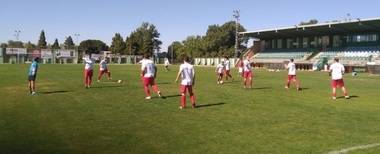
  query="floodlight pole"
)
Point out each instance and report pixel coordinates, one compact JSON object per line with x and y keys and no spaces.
{"x":236,"y":15}
{"x":171,"y":48}
{"x":17,"y":34}
{"x":77,"y":47}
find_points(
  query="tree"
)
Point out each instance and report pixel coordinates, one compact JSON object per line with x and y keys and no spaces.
{"x":69,"y":43}
{"x":117,"y":45}
{"x":15,"y":44}
{"x":218,"y":41}
{"x":42,"y":41}
{"x":194,"y":46}
{"x":3,"y":45}
{"x":92,"y":46}
{"x":143,"y":40}
{"x":221,"y":39}
{"x":55,"y":44}
{"x":174,"y":50}
{"x":30,"y":46}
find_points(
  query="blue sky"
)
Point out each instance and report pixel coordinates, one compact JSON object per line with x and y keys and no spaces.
{"x":175,"y":19}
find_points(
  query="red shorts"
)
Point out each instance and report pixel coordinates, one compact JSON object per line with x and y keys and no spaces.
{"x":247,"y":74}
{"x":291,"y":77}
{"x":88,"y":73}
{"x":227,"y":72}
{"x":103,"y":71}
{"x":337,"y":83}
{"x":220,"y":74}
{"x":184,"y":88}
{"x":148,"y":81}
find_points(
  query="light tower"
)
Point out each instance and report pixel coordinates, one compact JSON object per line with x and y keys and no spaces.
{"x":236,"y":15}
{"x":17,"y":34}
{"x":77,"y":38}
{"x":77,"y":45}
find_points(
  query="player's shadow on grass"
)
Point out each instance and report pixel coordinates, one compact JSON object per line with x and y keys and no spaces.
{"x":165,"y":83}
{"x":170,"y":96}
{"x":351,"y":97}
{"x":107,"y":86}
{"x":54,"y":92}
{"x":210,"y":105}
{"x":261,"y":88}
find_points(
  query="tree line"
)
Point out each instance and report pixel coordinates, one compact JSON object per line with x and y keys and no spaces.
{"x":219,"y":40}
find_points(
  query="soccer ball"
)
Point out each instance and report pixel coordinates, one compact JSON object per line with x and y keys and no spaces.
{"x":119,"y":81}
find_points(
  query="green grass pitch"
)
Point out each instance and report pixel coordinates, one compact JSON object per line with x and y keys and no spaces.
{"x":114,"y":118}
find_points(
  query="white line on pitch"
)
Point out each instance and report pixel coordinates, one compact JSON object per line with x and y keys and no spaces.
{"x":354,"y":148}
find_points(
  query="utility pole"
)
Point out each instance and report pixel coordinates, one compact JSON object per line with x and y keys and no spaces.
{"x":17,"y":34}
{"x":236,"y":15}
{"x":171,"y":47}
{"x":77,"y":46}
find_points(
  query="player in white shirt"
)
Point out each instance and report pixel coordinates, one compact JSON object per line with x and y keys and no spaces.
{"x":166,"y":64}
{"x":148,"y":74}
{"x":291,"y":67}
{"x":247,"y":73}
{"x":227,"y":68}
{"x":103,"y":69}
{"x":187,"y":74}
{"x":336,"y":71}
{"x":219,"y":72}
{"x":88,"y":70}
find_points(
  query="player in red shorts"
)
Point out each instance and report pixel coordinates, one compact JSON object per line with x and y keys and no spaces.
{"x":247,"y":73}
{"x":292,"y":75}
{"x":336,"y":71}
{"x":187,"y":73}
{"x":148,"y":74}
{"x":88,"y":71}
{"x":227,"y":69}
{"x":240,"y":65}
{"x":219,"y":72}
{"x":103,"y":69}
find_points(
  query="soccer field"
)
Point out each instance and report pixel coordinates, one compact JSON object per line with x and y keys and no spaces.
{"x":115,"y":118}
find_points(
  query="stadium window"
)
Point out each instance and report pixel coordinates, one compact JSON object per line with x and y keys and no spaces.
{"x":372,"y":38}
{"x":267,"y":44}
{"x":279,"y":44}
{"x":364,"y":38}
{"x":305,"y":41}
{"x":298,"y":44}
{"x":289,"y":43}
{"x":273,"y":44}
{"x":319,"y":41}
{"x":336,"y":41}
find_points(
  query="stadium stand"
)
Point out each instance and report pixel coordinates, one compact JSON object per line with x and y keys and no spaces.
{"x":313,"y":47}
{"x":299,"y":54}
{"x":361,"y":54}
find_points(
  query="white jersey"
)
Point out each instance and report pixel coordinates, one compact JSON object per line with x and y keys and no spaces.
{"x":219,"y":68}
{"x":337,"y":70}
{"x":89,"y":63}
{"x":291,"y":68}
{"x":227,"y":65}
{"x":187,"y":73}
{"x":166,"y":62}
{"x":148,"y":67}
{"x":103,"y":65}
{"x":247,"y":66}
